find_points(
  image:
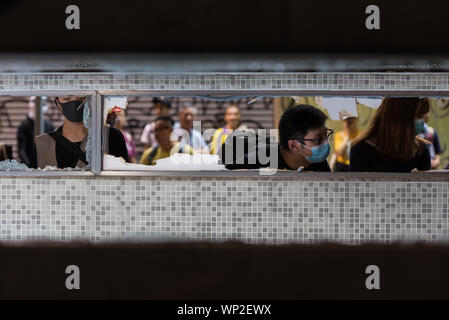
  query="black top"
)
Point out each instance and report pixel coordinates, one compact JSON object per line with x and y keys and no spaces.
{"x":436,"y":143}
{"x":25,"y":138}
{"x":366,"y":158}
{"x":117,"y":147}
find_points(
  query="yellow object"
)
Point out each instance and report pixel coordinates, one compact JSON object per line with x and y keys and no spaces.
{"x":160,"y":154}
{"x":339,"y":139}
{"x":218,"y":139}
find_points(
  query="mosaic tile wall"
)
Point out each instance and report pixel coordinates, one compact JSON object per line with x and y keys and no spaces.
{"x":249,"y":210}
{"x":225,"y":81}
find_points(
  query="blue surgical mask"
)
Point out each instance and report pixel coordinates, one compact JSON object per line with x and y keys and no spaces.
{"x":319,"y":153}
{"x":419,"y":126}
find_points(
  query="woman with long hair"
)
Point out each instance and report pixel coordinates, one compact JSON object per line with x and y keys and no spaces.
{"x":390,"y":144}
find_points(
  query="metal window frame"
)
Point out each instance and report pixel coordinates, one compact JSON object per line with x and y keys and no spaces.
{"x":95,"y":165}
{"x":97,"y":98}
{"x":376,"y":176}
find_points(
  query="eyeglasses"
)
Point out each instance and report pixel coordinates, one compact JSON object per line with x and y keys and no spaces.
{"x":329,"y":133}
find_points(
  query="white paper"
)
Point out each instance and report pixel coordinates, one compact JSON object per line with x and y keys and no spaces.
{"x":177,"y":162}
{"x":335,"y":105}
{"x":370,"y":102}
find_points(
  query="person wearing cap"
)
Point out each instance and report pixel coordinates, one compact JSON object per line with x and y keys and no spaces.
{"x":343,"y":139}
{"x":162,"y":107}
{"x":66,"y":146}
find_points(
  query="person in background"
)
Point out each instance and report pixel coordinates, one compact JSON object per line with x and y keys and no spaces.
{"x":165,"y":146}
{"x":25,"y":132}
{"x":430,"y":134}
{"x":117,"y":118}
{"x":232,"y":122}
{"x":5,"y":150}
{"x":343,"y":139}
{"x":66,"y":146}
{"x":184,"y":132}
{"x":161,"y":108}
{"x":390,"y":144}
{"x":303,"y":144}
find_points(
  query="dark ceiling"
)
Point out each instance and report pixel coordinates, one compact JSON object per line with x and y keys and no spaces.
{"x":231,"y":26}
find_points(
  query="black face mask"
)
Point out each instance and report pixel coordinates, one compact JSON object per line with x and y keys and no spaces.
{"x":73,"y":110}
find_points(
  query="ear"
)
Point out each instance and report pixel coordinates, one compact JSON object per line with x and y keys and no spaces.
{"x":294,"y":145}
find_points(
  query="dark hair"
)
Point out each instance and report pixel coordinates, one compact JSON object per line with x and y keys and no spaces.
{"x":165,"y":102}
{"x":166,"y":119}
{"x":392,"y":128}
{"x":111,"y":119}
{"x":423,"y":107}
{"x":297,"y":121}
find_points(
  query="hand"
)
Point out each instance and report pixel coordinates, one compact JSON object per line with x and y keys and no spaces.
{"x":415,"y":170}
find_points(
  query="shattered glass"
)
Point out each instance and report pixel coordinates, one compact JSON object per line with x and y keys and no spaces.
{"x":12,"y":165}
{"x":87,"y":120}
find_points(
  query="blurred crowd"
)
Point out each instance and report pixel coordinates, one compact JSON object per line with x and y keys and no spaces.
{"x":398,"y":138}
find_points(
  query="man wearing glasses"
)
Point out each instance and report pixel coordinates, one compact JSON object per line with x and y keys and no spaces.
{"x":304,"y":139}
{"x":303,"y":144}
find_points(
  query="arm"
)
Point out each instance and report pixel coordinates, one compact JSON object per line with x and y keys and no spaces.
{"x":435,"y":162}
{"x":436,"y":144}
{"x":144,"y":138}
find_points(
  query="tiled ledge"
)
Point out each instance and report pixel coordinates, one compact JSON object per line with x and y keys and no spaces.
{"x":241,"y":83}
{"x":233,"y":175}
{"x":253,"y":209}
